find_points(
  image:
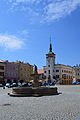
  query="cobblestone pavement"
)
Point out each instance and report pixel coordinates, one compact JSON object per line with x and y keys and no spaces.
{"x":65,"y":106}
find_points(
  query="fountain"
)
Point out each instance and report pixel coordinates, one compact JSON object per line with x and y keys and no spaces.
{"x":36,"y":90}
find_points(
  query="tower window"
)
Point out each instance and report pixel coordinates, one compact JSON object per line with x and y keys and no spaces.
{"x":48,"y":65}
{"x":49,"y":71}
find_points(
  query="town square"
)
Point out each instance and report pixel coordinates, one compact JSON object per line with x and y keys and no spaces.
{"x":65,"y":106}
{"x":40,"y":60}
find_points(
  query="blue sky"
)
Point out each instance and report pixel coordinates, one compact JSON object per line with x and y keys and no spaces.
{"x":26,"y":27}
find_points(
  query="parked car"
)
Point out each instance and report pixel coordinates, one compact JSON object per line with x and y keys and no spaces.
{"x":73,"y":83}
{"x":1,"y":85}
{"x":8,"y":85}
{"x":13,"y":85}
{"x":44,"y":83}
{"x":25,"y":85}
{"x":19,"y":84}
{"x":77,"y":83}
{"x":29,"y":84}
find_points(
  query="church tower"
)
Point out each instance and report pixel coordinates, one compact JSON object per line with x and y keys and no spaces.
{"x":50,"y":65}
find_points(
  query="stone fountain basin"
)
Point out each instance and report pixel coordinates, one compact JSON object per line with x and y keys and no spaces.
{"x":33,"y":91}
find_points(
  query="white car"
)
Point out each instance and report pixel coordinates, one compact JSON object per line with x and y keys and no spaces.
{"x":8,"y":85}
{"x":1,"y":85}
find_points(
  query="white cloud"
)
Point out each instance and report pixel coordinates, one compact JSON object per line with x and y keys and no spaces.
{"x":25,"y":1}
{"x":10,"y":42}
{"x":60,"y":9}
{"x":46,"y":10}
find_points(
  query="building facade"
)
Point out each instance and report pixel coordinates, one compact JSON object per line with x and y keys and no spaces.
{"x":41,"y":74}
{"x":77,"y":73}
{"x":50,"y":65}
{"x":25,"y":71}
{"x":63,"y":74}
{"x":59,"y":73}
{"x":2,"y":71}
{"x":11,"y":72}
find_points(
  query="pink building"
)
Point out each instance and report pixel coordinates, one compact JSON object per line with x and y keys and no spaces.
{"x":11,"y":71}
{"x":41,"y":74}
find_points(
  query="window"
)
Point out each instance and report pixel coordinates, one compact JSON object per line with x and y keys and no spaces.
{"x":57,"y":70}
{"x":64,"y":76}
{"x":2,"y":67}
{"x":54,"y":77}
{"x":21,"y":68}
{"x":49,"y":71}
{"x":65,"y":71}
{"x":57,"y":76}
{"x":25,"y":68}
{"x":67,"y":76}
{"x":48,"y":65}
{"x":1,"y":73}
{"x":53,"y":71}
{"x":21,"y":75}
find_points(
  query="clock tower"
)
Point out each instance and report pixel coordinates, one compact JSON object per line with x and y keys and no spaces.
{"x":50,"y":65}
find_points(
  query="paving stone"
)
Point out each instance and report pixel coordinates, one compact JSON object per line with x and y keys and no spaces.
{"x":65,"y":106}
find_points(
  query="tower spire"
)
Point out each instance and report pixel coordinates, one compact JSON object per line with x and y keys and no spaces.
{"x":50,"y":49}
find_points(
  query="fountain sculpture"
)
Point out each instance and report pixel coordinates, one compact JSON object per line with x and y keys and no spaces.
{"x":35,"y":90}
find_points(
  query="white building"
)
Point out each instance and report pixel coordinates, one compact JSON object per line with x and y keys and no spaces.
{"x":57,"y":72}
{"x":76,"y":70}
{"x":63,"y":73}
{"x":74,"y":75}
{"x":50,"y":65}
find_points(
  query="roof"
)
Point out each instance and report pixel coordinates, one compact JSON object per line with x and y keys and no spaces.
{"x":40,"y":71}
{"x":63,"y":65}
{"x":2,"y":61}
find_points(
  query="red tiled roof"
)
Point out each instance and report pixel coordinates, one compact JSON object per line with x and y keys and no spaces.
{"x":40,"y":71}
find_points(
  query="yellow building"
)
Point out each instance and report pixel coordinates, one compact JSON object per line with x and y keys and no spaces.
{"x":64,"y":74}
{"x":25,"y":71}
